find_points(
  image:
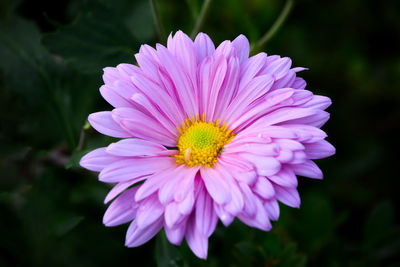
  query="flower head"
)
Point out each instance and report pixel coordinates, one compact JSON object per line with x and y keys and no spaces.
{"x":212,"y":133}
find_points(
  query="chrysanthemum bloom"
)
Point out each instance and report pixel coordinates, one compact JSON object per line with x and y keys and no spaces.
{"x":209,"y":134}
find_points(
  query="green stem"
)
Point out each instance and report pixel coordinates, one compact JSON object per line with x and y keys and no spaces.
{"x":157,"y":19}
{"x":201,"y":18}
{"x":275,"y":27}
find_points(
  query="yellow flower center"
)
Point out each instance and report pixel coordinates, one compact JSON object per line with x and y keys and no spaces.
{"x":201,"y":142}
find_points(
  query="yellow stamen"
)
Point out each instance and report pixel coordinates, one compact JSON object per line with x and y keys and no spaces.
{"x":201,"y":142}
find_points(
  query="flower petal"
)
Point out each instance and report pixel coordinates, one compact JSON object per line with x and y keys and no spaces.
{"x":133,"y":168}
{"x":242,"y":47}
{"x":205,"y":216}
{"x":216,"y":186}
{"x":135,"y":147}
{"x":307,"y":169}
{"x":150,"y":209}
{"x":117,"y":189}
{"x":319,"y":150}
{"x":136,"y":236}
{"x":122,"y":209}
{"x":197,"y":242}
{"x":98,"y":159}
{"x":288,"y":196}
{"x":175,"y":235}
{"x":264,"y":188}
{"x":105,"y":124}
{"x":142,"y":126}
{"x":203,"y":46}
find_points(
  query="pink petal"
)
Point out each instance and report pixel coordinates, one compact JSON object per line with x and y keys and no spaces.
{"x":272,"y":209}
{"x":306,"y":133}
{"x":289,"y":144}
{"x":147,"y":107}
{"x":197,"y":242}
{"x":135,"y":147}
{"x":184,"y":51}
{"x":132,"y":168}
{"x":286,"y":114}
{"x":172,"y":215}
{"x":249,"y":200}
{"x":142,"y":126}
{"x":111,"y":75}
{"x":117,"y":189}
{"x":278,"y":68}
{"x":299,"y":83}
{"x":186,"y":205}
{"x":256,"y":88}
{"x":154,"y":182}
{"x":264,"y":188}
{"x":265,"y":165}
{"x":307,"y":169}
{"x":175,"y":235}
{"x":253,"y":148}
{"x":149,"y":211}
{"x":225,"y":217}
{"x":183,"y":176}
{"x":251,"y":68}
{"x":98,"y":159}
{"x":105,"y":124}
{"x":184,"y":87}
{"x":319,"y":150}
{"x":204,"y":46}
{"x":229,"y":88}
{"x":286,"y":81}
{"x":285,"y":177}
{"x":112,"y":97}
{"x":121,"y":210}
{"x":242,"y":47}
{"x":216,"y":186}
{"x":161,"y":96}
{"x":236,"y":205}
{"x":206,"y":219}
{"x":318,"y":101}
{"x":147,"y":60}
{"x":288,"y":196}
{"x":260,"y":220}
{"x":136,"y":236}
{"x":317,"y":120}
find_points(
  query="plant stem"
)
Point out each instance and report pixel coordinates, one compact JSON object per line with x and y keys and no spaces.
{"x":157,"y":19}
{"x":275,"y":27}
{"x":201,"y":18}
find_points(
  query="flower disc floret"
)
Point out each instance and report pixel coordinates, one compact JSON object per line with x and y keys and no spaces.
{"x":201,"y":142}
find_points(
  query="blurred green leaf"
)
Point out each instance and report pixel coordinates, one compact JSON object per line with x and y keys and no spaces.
{"x":167,"y":255}
{"x":379,"y":223}
{"x":98,"y":38}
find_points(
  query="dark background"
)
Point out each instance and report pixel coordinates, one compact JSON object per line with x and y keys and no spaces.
{"x":51,"y":59}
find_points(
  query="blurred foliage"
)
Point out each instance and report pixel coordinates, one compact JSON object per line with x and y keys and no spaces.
{"x":52,"y":54}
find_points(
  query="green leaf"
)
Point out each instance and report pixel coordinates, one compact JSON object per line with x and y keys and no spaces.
{"x":98,"y":38}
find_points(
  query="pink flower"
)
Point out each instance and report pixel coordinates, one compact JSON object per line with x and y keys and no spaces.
{"x":211,"y":133}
